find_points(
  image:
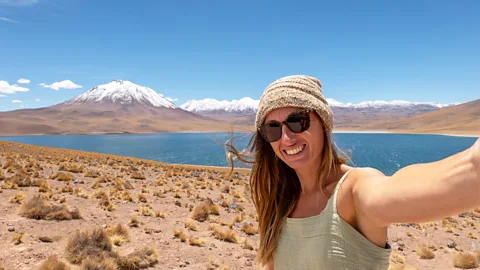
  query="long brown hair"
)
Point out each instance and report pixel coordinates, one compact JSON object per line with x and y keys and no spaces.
{"x":275,"y":187}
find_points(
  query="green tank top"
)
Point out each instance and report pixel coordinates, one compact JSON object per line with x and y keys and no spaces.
{"x":327,"y":242}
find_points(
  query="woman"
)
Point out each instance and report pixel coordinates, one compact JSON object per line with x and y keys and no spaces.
{"x":315,"y":211}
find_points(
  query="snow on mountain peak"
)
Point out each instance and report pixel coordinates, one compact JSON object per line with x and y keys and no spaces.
{"x":246,"y":103}
{"x":210,"y":104}
{"x":123,"y":92}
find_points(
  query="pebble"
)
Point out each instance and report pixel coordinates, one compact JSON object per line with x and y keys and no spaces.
{"x":451,"y":243}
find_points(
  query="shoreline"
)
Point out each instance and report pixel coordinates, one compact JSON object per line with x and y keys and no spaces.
{"x":341,"y":131}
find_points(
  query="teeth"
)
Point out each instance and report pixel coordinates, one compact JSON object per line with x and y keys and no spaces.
{"x":295,"y":151}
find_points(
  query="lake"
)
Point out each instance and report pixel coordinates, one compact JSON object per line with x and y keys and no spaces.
{"x":386,"y":152}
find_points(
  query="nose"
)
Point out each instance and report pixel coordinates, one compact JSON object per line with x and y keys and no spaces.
{"x":287,"y":135}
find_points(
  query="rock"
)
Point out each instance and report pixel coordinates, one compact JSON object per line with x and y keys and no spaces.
{"x":451,"y":243}
{"x":11,"y":229}
{"x":475,"y":245}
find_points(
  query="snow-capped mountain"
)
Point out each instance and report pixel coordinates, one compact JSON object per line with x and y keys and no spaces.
{"x":245,"y":104}
{"x":122,"y":92}
{"x":381,"y":103}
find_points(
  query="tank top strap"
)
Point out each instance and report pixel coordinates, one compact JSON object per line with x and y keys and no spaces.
{"x":335,"y":192}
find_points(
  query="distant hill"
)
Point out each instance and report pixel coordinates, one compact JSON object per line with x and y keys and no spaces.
{"x":460,"y":119}
{"x":116,"y":107}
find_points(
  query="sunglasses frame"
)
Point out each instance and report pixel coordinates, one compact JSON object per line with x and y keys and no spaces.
{"x":285,"y":122}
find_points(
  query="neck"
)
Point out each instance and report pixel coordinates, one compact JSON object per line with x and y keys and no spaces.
{"x":308,"y":180}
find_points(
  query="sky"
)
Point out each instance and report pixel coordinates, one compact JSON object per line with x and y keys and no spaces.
{"x":54,"y":50}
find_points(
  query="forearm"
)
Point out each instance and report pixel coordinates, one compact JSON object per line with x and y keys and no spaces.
{"x":430,"y":191}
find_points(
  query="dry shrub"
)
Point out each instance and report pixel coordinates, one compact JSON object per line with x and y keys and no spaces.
{"x":53,"y":263}
{"x":227,"y":235}
{"x":17,"y":239}
{"x":38,"y":208}
{"x":199,"y":242}
{"x":61,"y":176}
{"x":160,"y":214}
{"x":2,"y":176}
{"x":99,"y":193}
{"x":204,"y":209}
{"x":139,"y":259}
{"x":249,"y":229}
{"x":142,"y":198}
{"x":180,"y":234}
{"x":128,"y":185}
{"x":106,"y":204}
{"x":18,"y":198}
{"x":94,"y":244}
{"x":118,"y":234}
{"x":424,"y":252}
{"x":190,"y":225}
{"x":106,"y":264}
{"x":75,"y":169}
{"x":133,"y":222}
{"x":137,"y":175}
{"x":464,"y":260}
{"x":92,"y":174}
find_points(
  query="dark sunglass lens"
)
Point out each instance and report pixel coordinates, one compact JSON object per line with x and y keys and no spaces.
{"x":272,"y":131}
{"x":299,"y":121}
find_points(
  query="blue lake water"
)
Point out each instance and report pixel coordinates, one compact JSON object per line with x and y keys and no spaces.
{"x":386,"y":152}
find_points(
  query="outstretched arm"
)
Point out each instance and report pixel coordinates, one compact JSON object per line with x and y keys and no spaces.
{"x":421,"y":192}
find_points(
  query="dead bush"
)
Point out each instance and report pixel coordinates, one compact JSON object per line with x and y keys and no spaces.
{"x":53,"y":263}
{"x":93,"y":244}
{"x":205,"y":208}
{"x":464,"y":260}
{"x":38,"y":208}
{"x":139,"y":259}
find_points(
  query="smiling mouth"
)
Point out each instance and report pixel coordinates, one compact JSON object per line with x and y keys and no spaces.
{"x":295,"y":151}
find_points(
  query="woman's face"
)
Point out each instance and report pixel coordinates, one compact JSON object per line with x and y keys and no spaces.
{"x":298,"y":150}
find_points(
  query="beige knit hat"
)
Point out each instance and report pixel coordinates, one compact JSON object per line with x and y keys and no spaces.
{"x":295,"y":91}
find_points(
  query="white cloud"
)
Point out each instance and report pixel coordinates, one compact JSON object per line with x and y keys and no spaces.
{"x":171,"y":99}
{"x":11,"y":89}
{"x":19,"y":3}
{"x":7,"y":20}
{"x":2,"y":95}
{"x":23,"y":80}
{"x":65,"y":84}
{"x":17,"y":101}
{"x":37,"y":99}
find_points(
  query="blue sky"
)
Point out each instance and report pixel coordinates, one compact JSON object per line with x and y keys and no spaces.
{"x":360,"y":50}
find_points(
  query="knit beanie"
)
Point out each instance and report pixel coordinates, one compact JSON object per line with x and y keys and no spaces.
{"x":295,"y":91}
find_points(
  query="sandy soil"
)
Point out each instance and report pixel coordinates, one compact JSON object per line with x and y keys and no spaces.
{"x":162,"y":202}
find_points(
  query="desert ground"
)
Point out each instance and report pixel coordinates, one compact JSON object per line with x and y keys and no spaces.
{"x":66,"y":209}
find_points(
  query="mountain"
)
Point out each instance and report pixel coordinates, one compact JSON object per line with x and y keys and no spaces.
{"x":121,"y":92}
{"x":115,"y":107}
{"x":346,"y":115}
{"x":459,"y":119}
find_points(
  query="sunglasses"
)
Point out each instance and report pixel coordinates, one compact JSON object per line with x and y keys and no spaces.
{"x":297,"y":122}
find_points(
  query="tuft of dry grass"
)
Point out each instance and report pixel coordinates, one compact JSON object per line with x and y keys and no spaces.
{"x":61,"y":176}
{"x":18,"y":198}
{"x":38,"y":208}
{"x":204,"y":209}
{"x":139,"y":259}
{"x":133,"y":222}
{"x":190,"y":225}
{"x":227,"y":235}
{"x":17,"y":239}
{"x":105,"y":264}
{"x":53,"y":263}
{"x":118,"y":234}
{"x":142,"y":198}
{"x":465,"y":260}
{"x":424,"y":252}
{"x":180,"y":234}
{"x":249,"y":229}
{"x":94,"y":244}
{"x":199,"y":242}
{"x":137,"y":175}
